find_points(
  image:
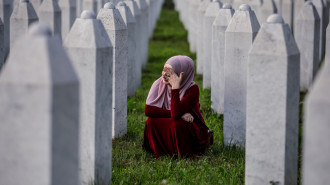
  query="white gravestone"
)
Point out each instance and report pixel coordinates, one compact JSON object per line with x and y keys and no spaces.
{"x":90,"y":50}
{"x":320,"y":8}
{"x":193,"y":21}
{"x":190,"y":27}
{"x":68,"y":8}
{"x":131,"y":64}
{"x":144,"y":30}
{"x":218,"y":55}
{"x":200,"y":49}
{"x":39,"y":109}
{"x":316,"y":146}
{"x":210,"y":14}
{"x":23,"y":15}
{"x":117,"y":32}
{"x":137,"y":15}
{"x":5,"y":16}
{"x":272,"y":107}
{"x":307,"y":35}
{"x":51,"y":15}
{"x":239,"y":36}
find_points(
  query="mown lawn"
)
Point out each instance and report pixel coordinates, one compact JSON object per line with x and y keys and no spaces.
{"x":132,"y":165}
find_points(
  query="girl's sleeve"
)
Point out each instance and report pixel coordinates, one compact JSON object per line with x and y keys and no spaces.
{"x":156,"y":112}
{"x":178,"y":108}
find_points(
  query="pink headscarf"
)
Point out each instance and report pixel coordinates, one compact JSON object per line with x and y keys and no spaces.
{"x":160,"y":93}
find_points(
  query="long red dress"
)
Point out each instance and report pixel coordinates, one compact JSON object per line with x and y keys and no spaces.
{"x":166,"y":133}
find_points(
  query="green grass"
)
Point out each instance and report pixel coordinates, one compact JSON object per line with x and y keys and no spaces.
{"x":132,"y":165}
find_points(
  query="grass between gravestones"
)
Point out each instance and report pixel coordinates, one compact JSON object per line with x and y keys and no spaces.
{"x":132,"y":165}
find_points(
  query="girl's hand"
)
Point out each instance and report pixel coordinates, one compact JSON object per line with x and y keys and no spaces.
{"x":174,"y":79}
{"x":188,"y":117}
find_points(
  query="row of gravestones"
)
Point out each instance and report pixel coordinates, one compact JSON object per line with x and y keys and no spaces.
{"x":192,"y":13}
{"x":201,"y":23}
{"x":60,"y":16}
{"x":62,"y":102}
{"x":259,"y":73}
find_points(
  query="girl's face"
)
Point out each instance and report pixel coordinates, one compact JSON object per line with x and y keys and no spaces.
{"x":166,"y":73}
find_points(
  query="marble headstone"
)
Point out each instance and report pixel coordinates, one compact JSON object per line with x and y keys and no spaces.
{"x":272,"y":107}
{"x":117,"y":32}
{"x":144,"y":30}
{"x":210,"y":14}
{"x":39,"y":109}
{"x":239,"y":36}
{"x":90,"y":50}
{"x":137,"y":15}
{"x":307,"y":35}
{"x":218,"y":55}
{"x":200,"y":49}
{"x":132,"y":63}
{"x":193,"y":22}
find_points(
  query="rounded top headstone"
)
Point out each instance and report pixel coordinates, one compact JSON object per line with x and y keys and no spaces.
{"x":275,"y":18}
{"x":308,"y":3}
{"x":109,"y":6}
{"x":24,"y":1}
{"x":122,"y":3}
{"x":244,"y":7}
{"x":226,"y":6}
{"x":38,"y":29}
{"x":87,"y":14}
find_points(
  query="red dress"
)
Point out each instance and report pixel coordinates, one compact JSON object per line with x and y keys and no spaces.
{"x":165,"y":133}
